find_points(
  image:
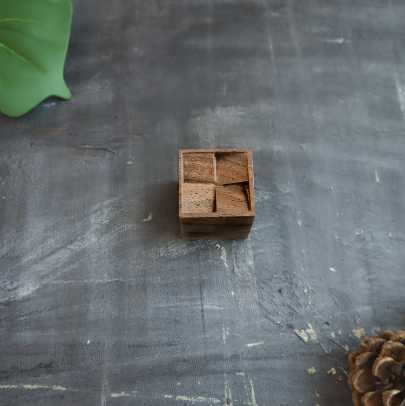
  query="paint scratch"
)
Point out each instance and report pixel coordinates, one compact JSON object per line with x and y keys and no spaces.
{"x":337,"y":40}
{"x":198,"y":399}
{"x":401,"y":94}
{"x":333,"y":269}
{"x":223,"y":255}
{"x":311,"y":370}
{"x":301,"y":334}
{"x":311,"y":333}
{"x":33,"y":387}
{"x":253,"y":403}
{"x":305,"y":334}
{"x":254,"y":344}
{"x":332,"y":371}
{"x":149,"y":218}
{"x":377,"y":178}
{"x":358,"y":332}
{"x":120,"y":395}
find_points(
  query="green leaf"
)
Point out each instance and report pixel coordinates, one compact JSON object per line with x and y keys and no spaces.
{"x":34,"y":36}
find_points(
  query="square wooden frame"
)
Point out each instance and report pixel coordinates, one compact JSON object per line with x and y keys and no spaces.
{"x":214,"y":225}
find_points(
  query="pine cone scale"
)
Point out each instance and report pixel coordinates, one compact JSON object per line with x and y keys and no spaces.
{"x":378,"y":370}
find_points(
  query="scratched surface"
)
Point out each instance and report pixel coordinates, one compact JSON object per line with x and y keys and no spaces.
{"x":103,"y":304}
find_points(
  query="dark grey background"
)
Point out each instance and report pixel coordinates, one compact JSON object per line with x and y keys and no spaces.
{"x":99,"y":307}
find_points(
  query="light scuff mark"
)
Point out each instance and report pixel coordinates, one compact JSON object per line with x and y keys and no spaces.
{"x":120,"y":395}
{"x":305,"y":335}
{"x":377,"y":178}
{"x":253,"y":395}
{"x":359,"y":332}
{"x":254,"y":344}
{"x":225,"y":333}
{"x":223,"y":255}
{"x":312,"y":333}
{"x":337,"y":40}
{"x":401,"y":94}
{"x":198,"y":399}
{"x":149,"y":218}
{"x":301,"y":334}
{"x":34,"y":387}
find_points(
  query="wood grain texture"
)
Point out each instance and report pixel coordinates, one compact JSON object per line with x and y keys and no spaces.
{"x":216,"y":193}
{"x":101,"y":308}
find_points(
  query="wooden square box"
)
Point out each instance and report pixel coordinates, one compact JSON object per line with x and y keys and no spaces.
{"x":216,"y":193}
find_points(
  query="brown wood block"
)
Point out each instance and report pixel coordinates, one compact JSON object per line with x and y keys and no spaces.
{"x":232,"y":167}
{"x":216,"y":193}
{"x":199,"y":167}
{"x":198,"y":198}
{"x":232,"y":199}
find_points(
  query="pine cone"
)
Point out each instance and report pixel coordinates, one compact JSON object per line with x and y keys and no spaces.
{"x":378,"y":370}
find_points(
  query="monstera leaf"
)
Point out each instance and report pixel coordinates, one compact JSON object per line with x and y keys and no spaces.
{"x":34,"y":36}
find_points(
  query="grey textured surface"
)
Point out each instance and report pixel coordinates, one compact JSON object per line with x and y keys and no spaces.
{"x":99,"y":307}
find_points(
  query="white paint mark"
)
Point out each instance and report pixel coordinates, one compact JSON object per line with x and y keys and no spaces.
{"x":332,"y":334}
{"x":359,"y":332}
{"x":254,"y":344}
{"x":223,"y":254}
{"x":337,"y":40}
{"x":301,"y":334}
{"x":227,"y":392}
{"x":58,"y":387}
{"x":33,"y":387}
{"x":149,"y":218}
{"x":389,"y":235}
{"x":333,"y":269}
{"x":129,"y":163}
{"x":377,"y":178}
{"x":168,"y":396}
{"x":346,"y":348}
{"x":401,"y":94}
{"x":198,"y":399}
{"x":253,"y":403}
{"x":240,"y":373}
{"x":358,"y":233}
{"x":311,"y":370}
{"x":223,"y":334}
{"x":105,"y":381}
{"x":120,"y":395}
{"x":88,"y":341}
{"x":312,"y":333}
{"x":331,"y":188}
{"x":317,"y":394}
{"x":233,"y":293}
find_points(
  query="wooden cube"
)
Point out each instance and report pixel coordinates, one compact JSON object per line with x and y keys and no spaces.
{"x":216,"y":193}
